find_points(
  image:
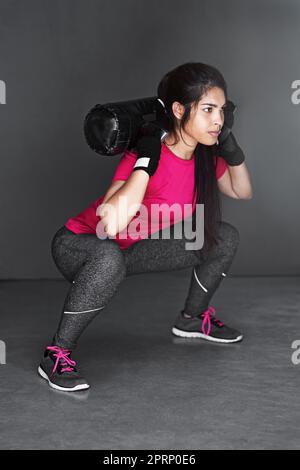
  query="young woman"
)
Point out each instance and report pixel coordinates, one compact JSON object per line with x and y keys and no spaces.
{"x":187,"y":168}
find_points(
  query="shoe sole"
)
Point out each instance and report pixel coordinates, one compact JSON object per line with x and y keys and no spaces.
{"x":57,"y":387}
{"x":192,"y":334}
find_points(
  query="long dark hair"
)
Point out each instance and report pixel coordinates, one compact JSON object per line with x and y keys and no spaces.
{"x":186,"y":84}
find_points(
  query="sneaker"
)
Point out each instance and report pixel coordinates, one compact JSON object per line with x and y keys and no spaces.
{"x":205,"y":326}
{"x":59,"y":369}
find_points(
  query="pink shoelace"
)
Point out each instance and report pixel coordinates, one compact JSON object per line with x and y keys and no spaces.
{"x":62,"y":355}
{"x":206,"y":315}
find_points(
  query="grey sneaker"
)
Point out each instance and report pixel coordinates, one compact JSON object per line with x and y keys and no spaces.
{"x":59,"y":369}
{"x":205,"y":326}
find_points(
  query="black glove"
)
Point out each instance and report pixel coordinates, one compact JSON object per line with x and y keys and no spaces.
{"x":148,"y":151}
{"x":228,"y":147}
{"x":231,"y":151}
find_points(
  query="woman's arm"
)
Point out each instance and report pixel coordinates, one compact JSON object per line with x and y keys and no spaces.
{"x":236,"y":182}
{"x":113,"y":189}
{"x":118,"y":210}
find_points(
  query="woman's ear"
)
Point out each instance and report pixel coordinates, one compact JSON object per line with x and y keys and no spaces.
{"x":178,"y":109}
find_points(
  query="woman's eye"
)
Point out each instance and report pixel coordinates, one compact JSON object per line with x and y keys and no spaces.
{"x":210,"y":109}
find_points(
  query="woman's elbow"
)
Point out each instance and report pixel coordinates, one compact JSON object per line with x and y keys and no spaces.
{"x":248,"y":196}
{"x":111,"y":230}
{"x":243,"y":193}
{"x":113,"y":227}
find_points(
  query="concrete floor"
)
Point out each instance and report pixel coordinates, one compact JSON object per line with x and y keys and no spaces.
{"x":149,"y":389}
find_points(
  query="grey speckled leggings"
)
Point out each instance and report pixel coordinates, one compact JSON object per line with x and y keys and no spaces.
{"x":95,"y":268}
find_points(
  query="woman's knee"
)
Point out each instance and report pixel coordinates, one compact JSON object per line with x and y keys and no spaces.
{"x":112,"y":259}
{"x":229,"y":235}
{"x":58,"y":256}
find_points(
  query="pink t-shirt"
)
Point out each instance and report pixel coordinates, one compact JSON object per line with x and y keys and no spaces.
{"x":171,"y":187}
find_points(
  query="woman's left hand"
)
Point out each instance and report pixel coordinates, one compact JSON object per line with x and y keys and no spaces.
{"x":231,"y":151}
{"x":228,"y":147}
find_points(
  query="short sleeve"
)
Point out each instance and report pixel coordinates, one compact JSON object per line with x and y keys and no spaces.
{"x":221,"y":167}
{"x":125,"y":166}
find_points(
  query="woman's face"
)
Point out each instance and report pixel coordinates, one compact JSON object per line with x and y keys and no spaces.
{"x":206,"y":117}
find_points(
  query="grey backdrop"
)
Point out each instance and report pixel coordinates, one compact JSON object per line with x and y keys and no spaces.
{"x":58,"y":58}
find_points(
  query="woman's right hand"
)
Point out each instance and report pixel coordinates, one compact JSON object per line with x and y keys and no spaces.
{"x":148,"y":151}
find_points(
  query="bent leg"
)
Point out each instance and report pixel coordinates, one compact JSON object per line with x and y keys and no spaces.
{"x":208,"y":275}
{"x":163,"y":254}
{"x":96,"y":268}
